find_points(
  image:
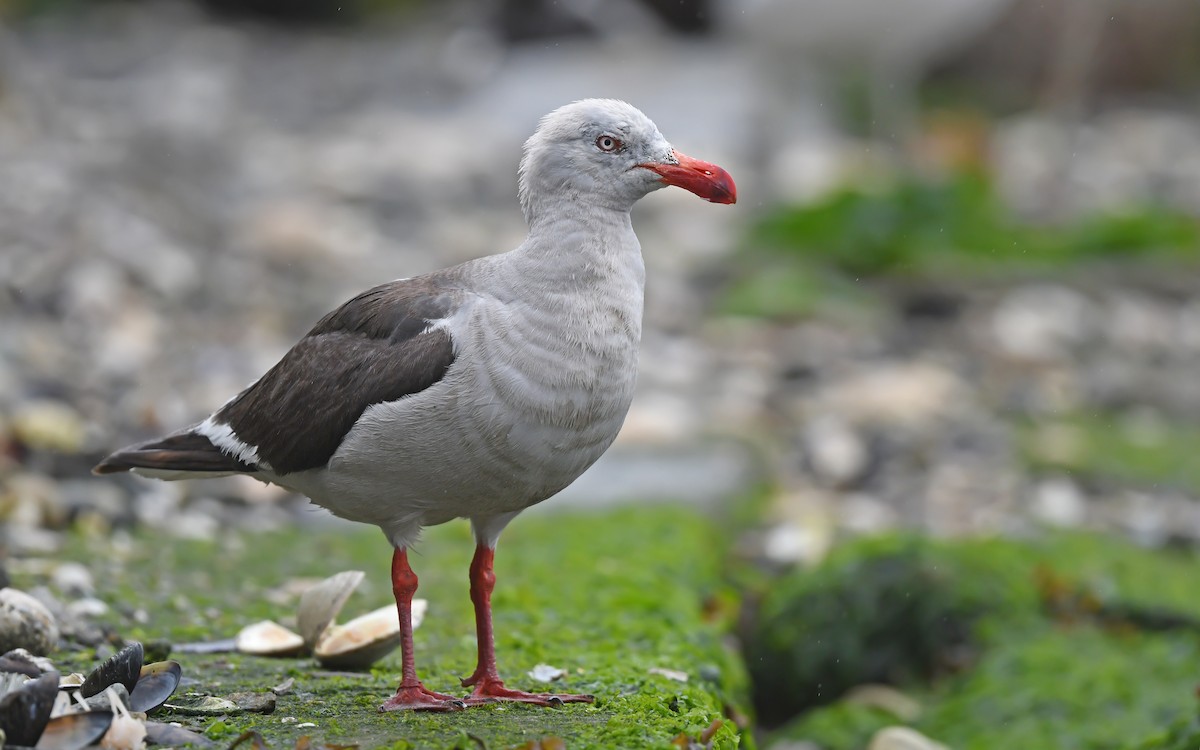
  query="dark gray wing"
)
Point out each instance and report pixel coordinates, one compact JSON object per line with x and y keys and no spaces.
{"x":377,"y":347}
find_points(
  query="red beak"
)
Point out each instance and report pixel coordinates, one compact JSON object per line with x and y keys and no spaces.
{"x":708,"y":181}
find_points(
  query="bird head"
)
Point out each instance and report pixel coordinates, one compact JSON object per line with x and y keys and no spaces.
{"x":607,"y":152}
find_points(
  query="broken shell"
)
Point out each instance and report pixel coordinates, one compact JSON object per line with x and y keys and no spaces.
{"x":320,"y":605}
{"x":22,"y":662}
{"x":10,"y":681}
{"x":25,"y":711}
{"x":209,"y":705}
{"x":126,"y":732}
{"x":155,"y":685}
{"x":268,"y":638}
{"x":75,"y":731}
{"x":123,"y":667}
{"x":25,"y":623}
{"x":546,"y":673}
{"x":365,"y":640}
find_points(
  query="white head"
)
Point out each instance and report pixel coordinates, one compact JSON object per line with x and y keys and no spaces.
{"x":607,"y":153}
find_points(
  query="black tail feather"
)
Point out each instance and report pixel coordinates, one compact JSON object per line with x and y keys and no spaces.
{"x":183,"y":451}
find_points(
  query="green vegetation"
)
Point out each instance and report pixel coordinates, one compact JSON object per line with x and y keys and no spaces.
{"x":1107,"y":446}
{"x":942,"y":229}
{"x":606,"y":597}
{"x":1076,"y":642}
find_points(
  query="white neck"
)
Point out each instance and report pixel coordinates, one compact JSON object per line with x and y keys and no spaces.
{"x":576,"y":245}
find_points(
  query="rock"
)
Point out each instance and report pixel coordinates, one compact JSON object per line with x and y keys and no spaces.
{"x":836,"y":453}
{"x":44,"y":424}
{"x":73,"y":579}
{"x":862,"y":513}
{"x":904,"y":394}
{"x":1140,"y":324}
{"x":902,"y":738}
{"x":104,"y":699}
{"x":792,"y":543}
{"x":1189,"y":327}
{"x":31,"y":501}
{"x":257,"y":703}
{"x":87,"y":608}
{"x":1041,"y":322}
{"x":26,"y":623}
{"x":1058,"y":501}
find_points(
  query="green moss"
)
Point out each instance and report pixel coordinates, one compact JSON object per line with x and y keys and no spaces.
{"x":1088,"y":677}
{"x":1108,"y":446}
{"x":605,"y":596}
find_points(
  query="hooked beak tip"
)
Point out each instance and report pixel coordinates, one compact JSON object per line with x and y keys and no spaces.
{"x":710,"y":182}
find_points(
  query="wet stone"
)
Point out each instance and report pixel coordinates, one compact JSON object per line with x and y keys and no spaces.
{"x":257,"y":703}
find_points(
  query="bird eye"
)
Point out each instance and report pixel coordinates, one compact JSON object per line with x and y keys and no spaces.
{"x":608,"y":143}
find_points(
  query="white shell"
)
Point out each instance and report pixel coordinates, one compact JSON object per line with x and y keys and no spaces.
{"x":366,"y":639}
{"x":268,"y":638}
{"x":320,"y":605}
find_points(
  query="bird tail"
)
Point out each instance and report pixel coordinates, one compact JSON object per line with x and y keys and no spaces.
{"x":183,"y":455}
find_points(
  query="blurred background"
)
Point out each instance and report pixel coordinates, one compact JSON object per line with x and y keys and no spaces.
{"x":959,"y":295}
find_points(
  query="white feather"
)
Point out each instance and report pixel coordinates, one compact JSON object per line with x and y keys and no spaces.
{"x":223,"y":436}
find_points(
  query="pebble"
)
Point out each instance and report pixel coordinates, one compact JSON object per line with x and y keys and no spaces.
{"x":103,"y":701}
{"x":48,"y":425}
{"x":73,"y":579}
{"x":907,"y":394}
{"x":1041,"y":322}
{"x":1058,"y":501}
{"x":258,"y":703}
{"x":87,"y":608}
{"x":26,"y":623}
{"x":837,"y":454}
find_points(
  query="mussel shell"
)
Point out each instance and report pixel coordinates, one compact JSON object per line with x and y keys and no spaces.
{"x":75,"y":731}
{"x":123,"y":667}
{"x":155,"y":685}
{"x":24,"y":712}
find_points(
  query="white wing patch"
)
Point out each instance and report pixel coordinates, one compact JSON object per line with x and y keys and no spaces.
{"x":223,"y":436}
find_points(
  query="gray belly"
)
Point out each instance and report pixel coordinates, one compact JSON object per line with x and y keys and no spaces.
{"x":469,"y":446}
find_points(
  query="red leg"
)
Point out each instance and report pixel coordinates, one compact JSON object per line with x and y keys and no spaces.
{"x":411,"y":694}
{"x":486,"y":680}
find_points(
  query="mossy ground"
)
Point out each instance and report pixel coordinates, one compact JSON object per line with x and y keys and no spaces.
{"x":1114,"y":665}
{"x":1111,"y":447}
{"x":604,"y":596}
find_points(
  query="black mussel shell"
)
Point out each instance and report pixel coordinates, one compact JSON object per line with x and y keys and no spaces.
{"x":75,"y":731}
{"x":24,"y":712}
{"x":155,"y":685}
{"x":123,"y":667}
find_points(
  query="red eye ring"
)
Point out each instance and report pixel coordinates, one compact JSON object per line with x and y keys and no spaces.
{"x":608,"y":144}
